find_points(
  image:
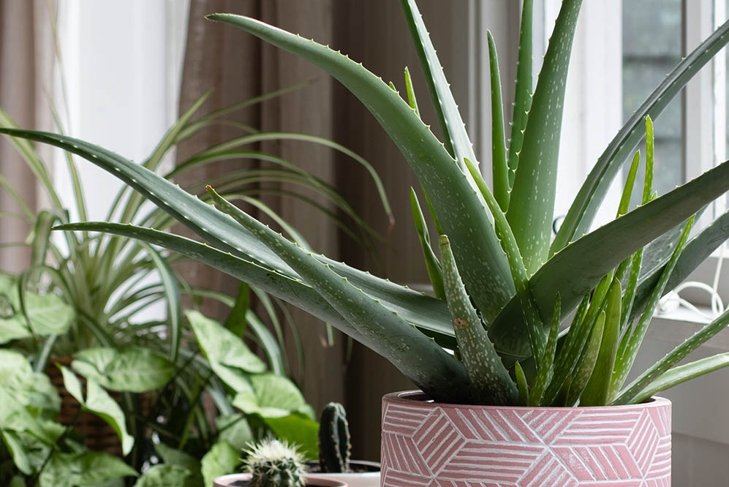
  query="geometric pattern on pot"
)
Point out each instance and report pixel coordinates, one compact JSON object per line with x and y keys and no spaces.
{"x":429,"y":444}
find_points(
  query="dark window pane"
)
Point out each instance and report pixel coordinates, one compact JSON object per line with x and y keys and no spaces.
{"x":651,"y":47}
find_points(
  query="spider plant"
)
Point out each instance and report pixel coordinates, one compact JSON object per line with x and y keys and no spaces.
{"x":534,"y":320}
{"x":84,"y":295}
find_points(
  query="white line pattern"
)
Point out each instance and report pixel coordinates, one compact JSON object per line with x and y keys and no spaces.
{"x":434,"y":445}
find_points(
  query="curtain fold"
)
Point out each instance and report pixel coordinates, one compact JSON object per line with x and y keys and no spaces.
{"x":25,"y":67}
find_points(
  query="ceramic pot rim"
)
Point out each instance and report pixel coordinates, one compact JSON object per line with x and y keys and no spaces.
{"x":322,"y":482}
{"x":416,"y":398}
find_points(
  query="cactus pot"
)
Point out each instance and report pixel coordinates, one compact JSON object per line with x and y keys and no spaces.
{"x":243,"y":480}
{"x":433,"y":444}
{"x":363,"y":474}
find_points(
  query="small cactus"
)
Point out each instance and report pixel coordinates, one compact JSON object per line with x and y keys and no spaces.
{"x":334,"y":446}
{"x":273,"y":463}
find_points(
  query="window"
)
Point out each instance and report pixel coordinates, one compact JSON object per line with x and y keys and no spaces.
{"x":652,"y":46}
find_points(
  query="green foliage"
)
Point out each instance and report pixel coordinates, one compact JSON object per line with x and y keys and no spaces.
{"x":83,"y":299}
{"x":565,"y":319}
{"x":334,"y":440}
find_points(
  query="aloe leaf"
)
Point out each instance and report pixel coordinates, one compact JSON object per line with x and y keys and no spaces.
{"x":438,"y":374}
{"x":290,"y":231}
{"x":521,"y":384}
{"x":697,"y":250}
{"x":624,"y":205}
{"x":516,"y":265}
{"x":681,"y":374}
{"x":632,"y":339}
{"x":582,"y":212}
{"x":491,"y":381}
{"x":170,"y":138}
{"x":499,"y":163}
{"x":545,"y":369}
{"x":523,"y":88}
{"x":428,"y":314}
{"x":577,"y":268}
{"x":677,"y":354}
{"x":587,"y":362}
{"x":457,"y":141}
{"x":432,"y":266}
{"x":531,"y":206}
{"x":486,"y":271}
{"x":568,"y":358}
{"x":597,"y":391}
{"x":410,"y":91}
{"x":460,"y":211}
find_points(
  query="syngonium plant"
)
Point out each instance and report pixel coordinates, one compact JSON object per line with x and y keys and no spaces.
{"x":536,"y":320}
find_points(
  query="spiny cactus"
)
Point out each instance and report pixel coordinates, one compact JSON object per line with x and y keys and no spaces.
{"x":334,"y":445}
{"x":273,"y":463}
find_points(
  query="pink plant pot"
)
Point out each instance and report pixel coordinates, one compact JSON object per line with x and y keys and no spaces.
{"x":431,"y":444}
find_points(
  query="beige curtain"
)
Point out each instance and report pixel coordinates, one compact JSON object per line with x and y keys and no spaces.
{"x":25,"y":64}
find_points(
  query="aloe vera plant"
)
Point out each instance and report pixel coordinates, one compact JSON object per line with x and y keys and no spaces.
{"x":534,"y":320}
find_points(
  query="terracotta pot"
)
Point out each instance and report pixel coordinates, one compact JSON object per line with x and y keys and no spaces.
{"x":365,"y":474}
{"x":427,"y":443}
{"x":241,"y":480}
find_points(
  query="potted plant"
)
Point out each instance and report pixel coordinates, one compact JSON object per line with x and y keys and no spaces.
{"x":335,"y":449}
{"x":272,"y":463}
{"x":545,"y":331}
{"x":136,"y":389}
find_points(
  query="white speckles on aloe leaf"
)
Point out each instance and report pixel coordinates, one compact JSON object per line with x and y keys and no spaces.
{"x":491,"y":383}
{"x":531,"y":205}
